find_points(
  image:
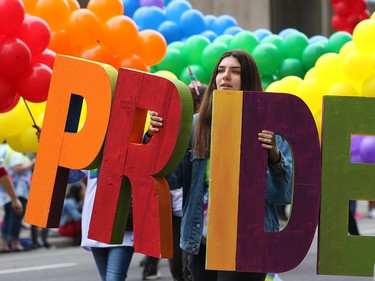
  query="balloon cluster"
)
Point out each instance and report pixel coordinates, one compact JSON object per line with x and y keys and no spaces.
{"x":351,"y":72}
{"x":277,"y":55}
{"x":348,"y":13}
{"x":100,"y":33}
{"x":25,"y":62}
{"x":177,"y":21}
{"x":362,"y":149}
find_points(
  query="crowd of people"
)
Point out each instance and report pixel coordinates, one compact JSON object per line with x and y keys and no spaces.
{"x":189,"y":189}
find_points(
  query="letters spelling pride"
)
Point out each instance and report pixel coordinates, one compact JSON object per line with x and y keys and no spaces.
{"x":60,"y":150}
{"x":125,"y":162}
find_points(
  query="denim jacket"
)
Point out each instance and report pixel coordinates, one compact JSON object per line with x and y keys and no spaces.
{"x":278,"y":192}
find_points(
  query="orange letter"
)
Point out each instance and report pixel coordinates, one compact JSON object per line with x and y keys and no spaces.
{"x":61,"y":148}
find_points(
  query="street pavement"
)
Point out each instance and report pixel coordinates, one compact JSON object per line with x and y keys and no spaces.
{"x":66,"y":262}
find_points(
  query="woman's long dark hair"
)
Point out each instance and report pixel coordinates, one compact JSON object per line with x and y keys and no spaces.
{"x":250,"y":81}
{"x":75,"y":192}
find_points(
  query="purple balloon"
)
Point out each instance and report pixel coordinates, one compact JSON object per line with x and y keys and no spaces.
{"x":158,"y":3}
{"x":355,"y":143}
{"x":367,"y":149}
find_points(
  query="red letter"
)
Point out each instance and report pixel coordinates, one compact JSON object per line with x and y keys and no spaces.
{"x":128,"y":163}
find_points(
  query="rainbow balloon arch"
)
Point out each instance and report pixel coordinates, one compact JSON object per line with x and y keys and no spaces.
{"x":151,"y":35}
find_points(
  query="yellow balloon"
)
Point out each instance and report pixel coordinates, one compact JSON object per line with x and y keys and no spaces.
{"x":347,"y":48}
{"x":274,"y":87}
{"x":363,"y":36}
{"x":318,"y":122}
{"x":26,"y":141}
{"x":342,"y":89}
{"x":311,"y":91}
{"x":357,"y":65}
{"x":147,"y":123}
{"x":368,"y":86}
{"x":15,"y":120}
{"x":291,"y":84}
{"x":311,"y":73}
{"x":2,"y":139}
{"x":328,"y":69}
{"x":372,"y":16}
{"x":82,"y":117}
{"x":166,"y":74}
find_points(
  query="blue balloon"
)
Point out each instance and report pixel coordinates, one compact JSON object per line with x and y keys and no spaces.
{"x":130,"y":6}
{"x":318,"y":38}
{"x":262,"y":33}
{"x":233,"y":30}
{"x":192,"y":22}
{"x":209,"y":20}
{"x":170,"y":31}
{"x":175,"y":9}
{"x":209,"y":34}
{"x":287,"y":31}
{"x":222,"y":23}
{"x":149,"y":17}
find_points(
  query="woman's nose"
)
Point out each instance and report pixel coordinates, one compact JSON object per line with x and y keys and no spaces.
{"x":226,"y":75}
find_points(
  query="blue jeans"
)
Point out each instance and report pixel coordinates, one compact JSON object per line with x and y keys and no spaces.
{"x":11,"y":226}
{"x":113,"y":262}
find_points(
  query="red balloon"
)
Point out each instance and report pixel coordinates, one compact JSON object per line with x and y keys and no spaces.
{"x":12,"y":13}
{"x":338,"y":23}
{"x":342,"y":9}
{"x":47,"y":58}
{"x":14,"y":57}
{"x":35,"y":33}
{"x":33,"y":83}
{"x":7,"y":94}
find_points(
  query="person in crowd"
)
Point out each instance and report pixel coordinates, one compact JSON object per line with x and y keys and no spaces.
{"x":112,"y":260}
{"x":178,"y":265}
{"x":71,"y":215}
{"x":19,"y":167}
{"x":7,"y":185}
{"x":235,"y":70}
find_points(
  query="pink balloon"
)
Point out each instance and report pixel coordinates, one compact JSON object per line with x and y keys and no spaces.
{"x":47,"y":58}
{"x":35,"y":33}
{"x":14,"y":57}
{"x":7,"y":94}
{"x":33,"y":83}
{"x":12,"y":13}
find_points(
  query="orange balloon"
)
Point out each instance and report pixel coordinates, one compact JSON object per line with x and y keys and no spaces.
{"x":61,"y":44}
{"x":120,"y":35}
{"x":54,"y":12}
{"x":84,"y":28}
{"x":73,"y":5}
{"x":98,"y":53}
{"x":29,"y":6}
{"x":134,"y":62}
{"x":151,"y":46}
{"x":106,"y":9}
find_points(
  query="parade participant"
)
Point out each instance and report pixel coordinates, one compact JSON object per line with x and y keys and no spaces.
{"x":235,"y":70}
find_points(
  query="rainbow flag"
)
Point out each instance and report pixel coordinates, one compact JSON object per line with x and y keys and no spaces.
{"x":273,"y":277}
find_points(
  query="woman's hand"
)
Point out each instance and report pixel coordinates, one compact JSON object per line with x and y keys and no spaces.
{"x":155,"y":123}
{"x":267,"y":139}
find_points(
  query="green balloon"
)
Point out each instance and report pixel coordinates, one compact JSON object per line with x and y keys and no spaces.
{"x":211,"y":55}
{"x":199,"y":71}
{"x":268,"y":58}
{"x":173,"y":61}
{"x":312,"y":53}
{"x":224,"y":38}
{"x":194,"y":47}
{"x":273,"y":39}
{"x":293,"y":45}
{"x":245,"y":40}
{"x":292,"y":66}
{"x":337,"y":40}
{"x":176,"y":45}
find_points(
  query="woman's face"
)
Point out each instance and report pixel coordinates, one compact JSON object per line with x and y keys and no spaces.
{"x":229,"y":74}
